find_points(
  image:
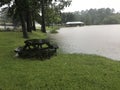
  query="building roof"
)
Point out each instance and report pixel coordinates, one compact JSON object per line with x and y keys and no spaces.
{"x":77,"y":22}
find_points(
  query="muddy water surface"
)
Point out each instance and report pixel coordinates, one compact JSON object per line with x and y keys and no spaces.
{"x":102,"y":40}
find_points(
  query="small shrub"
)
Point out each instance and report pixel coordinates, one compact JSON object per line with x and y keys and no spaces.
{"x":53,"y":31}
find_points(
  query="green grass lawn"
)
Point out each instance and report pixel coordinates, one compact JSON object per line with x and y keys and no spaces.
{"x":61,"y":72}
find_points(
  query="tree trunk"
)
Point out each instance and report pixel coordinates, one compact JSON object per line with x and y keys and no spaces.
{"x":5,"y":28}
{"x":33,"y":25}
{"x":22,"y":19}
{"x":24,"y":30}
{"x":43,"y":29}
{"x":29,"y":21}
{"x":33,"y":21}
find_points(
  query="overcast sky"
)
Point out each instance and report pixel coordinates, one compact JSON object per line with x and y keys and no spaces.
{"x":78,"y":5}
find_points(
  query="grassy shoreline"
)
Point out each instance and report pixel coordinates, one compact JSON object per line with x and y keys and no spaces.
{"x":62,"y":72}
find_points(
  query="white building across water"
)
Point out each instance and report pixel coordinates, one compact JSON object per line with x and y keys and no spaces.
{"x":76,"y":23}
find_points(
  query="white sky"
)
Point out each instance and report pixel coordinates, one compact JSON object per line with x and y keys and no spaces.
{"x":78,"y":5}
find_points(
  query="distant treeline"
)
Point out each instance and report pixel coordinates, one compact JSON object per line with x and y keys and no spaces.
{"x":93,"y":16}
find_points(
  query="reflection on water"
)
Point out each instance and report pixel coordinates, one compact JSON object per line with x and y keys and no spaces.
{"x":102,"y":40}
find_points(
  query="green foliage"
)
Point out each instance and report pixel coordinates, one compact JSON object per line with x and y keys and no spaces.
{"x":53,"y":11}
{"x":63,"y":72}
{"x":113,"y":19}
{"x":27,"y":12}
{"x":3,"y":2}
{"x":53,"y":29}
{"x":93,"y":16}
{"x":52,"y":16}
{"x":67,"y":16}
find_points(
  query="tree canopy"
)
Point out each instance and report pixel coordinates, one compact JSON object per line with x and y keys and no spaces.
{"x":26,"y":11}
{"x":93,"y":16}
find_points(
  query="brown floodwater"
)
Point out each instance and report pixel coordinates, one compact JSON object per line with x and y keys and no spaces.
{"x":103,"y":40}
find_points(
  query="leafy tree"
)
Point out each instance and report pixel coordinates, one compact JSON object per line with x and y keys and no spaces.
{"x":52,"y":16}
{"x":67,"y":16}
{"x":113,"y":19}
{"x":77,"y":15}
{"x":58,"y":6}
{"x":92,"y":16}
{"x":27,"y":10}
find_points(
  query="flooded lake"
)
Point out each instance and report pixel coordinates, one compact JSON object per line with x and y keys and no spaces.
{"x":103,"y":40}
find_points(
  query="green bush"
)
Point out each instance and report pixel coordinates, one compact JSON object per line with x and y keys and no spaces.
{"x":53,"y":29}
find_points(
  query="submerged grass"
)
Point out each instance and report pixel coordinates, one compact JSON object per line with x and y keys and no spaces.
{"x":62,"y":72}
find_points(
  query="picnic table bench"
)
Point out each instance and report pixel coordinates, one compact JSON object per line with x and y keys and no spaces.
{"x":37,"y":48}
